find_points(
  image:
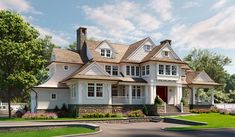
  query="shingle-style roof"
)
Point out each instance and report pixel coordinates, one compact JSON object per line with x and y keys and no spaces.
{"x":153,"y":52}
{"x":131,"y":79}
{"x":132,"y":48}
{"x":68,"y":56}
{"x":120,"y":50}
{"x":192,"y":75}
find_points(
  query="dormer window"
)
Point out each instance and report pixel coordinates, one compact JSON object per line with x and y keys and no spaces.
{"x":105,"y":53}
{"x":166,"y":53}
{"x":148,"y":47}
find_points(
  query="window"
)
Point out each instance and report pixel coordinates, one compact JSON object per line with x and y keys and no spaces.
{"x":73,"y":91}
{"x":91,"y":89}
{"x":174,"y":70}
{"x":115,"y":70}
{"x":166,"y":53}
{"x":147,"y":70}
{"x":161,"y":69}
{"x":95,"y":90}
{"x":114,"y":90}
{"x":105,"y":52}
{"x":66,"y":67}
{"x":148,"y":47}
{"x":136,"y":92}
{"x":168,"y":70}
{"x":137,"y":71}
{"x":102,"y":53}
{"x":108,"y":69}
{"x":133,"y":70}
{"x":127,"y":70}
{"x":99,"y":90}
{"x":143,"y":70}
{"x":108,"y":53}
{"x":53,"y":96}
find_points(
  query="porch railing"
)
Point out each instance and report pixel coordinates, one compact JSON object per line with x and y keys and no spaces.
{"x":125,"y":100}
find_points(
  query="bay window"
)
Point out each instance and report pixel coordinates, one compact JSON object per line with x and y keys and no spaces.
{"x":133,"y":70}
{"x":115,"y":70}
{"x":168,"y":70}
{"x":127,"y":70}
{"x":174,"y":70}
{"x":137,"y":71}
{"x":147,"y":70}
{"x":143,"y":70}
{"x":161,"y":69}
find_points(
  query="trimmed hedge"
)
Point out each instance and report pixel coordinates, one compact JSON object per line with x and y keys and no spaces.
{"x":99,"y":115}
{"x":136,"y":113}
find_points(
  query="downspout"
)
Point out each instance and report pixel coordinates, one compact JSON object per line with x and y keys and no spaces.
{"x":36,"y":106}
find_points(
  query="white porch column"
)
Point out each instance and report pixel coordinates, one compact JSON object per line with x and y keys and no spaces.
{"x":179,"y":94}
{"x":130,"y":93}
{"x":109,"y":86}
{"x":79,"y":92}
{"x":194,"y":96}
{"x":146,"y":93}
{"x":212,"y":97}
{"x":152,"y":93}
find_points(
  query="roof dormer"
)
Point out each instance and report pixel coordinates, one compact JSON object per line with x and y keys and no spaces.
{"x":105,"y":50}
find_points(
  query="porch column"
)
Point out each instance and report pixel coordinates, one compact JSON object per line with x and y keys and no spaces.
{"x":130,"y":93}
{"x":109,"y":86}
{"x":179,"y":94}
{"x":147,"y":97}
{"x":212,"y":97}
{"x":194,"y":96}
{"x":152,"y":93}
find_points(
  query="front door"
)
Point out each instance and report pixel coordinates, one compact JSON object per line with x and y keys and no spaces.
{"x":162,"y":93}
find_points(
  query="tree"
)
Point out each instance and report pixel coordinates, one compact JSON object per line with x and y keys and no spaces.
{"x":21,"y":55}
{"x":230,"y":84}
{"x":212,"y":63}
{"x":73,"y":46}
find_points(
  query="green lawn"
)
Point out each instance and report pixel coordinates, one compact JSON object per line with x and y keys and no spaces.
{"x":47,"y":132}
{"x":214,"y":120}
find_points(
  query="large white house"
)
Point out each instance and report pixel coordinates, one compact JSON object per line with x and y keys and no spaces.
{"x":102,"y":76}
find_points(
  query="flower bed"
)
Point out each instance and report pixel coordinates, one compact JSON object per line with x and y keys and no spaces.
{"x":39,"y":116}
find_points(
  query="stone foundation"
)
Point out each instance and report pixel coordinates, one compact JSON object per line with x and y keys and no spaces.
{"x":201,"y":106}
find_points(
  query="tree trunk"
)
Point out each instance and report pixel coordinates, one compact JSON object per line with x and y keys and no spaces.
{"x":9,"y":103}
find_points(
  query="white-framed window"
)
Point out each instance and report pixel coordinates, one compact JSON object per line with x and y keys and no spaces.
{"x":143,"y":70}
{"x":174,"y":70}
{"x":53,"y":96}
{"x":148,"y":47}
{"x":73,"y":91}
{"x":166,"y":53}
{"x":66,"y":67}
{"x":147,"y":69}
{"x":137,"y":71}
{"x":170,"y":70}
{"x":95,"y":90}
{"x":91,"y":90}
{"x":136,"y":92}
{"x":108,"y":69}
{"x":99,"y":90}
{"x":115,"y":70}
{"x":133,"y":70}
{"x":128,"y":70}
{"x":105,"y":53}
{"x":161,"y":69}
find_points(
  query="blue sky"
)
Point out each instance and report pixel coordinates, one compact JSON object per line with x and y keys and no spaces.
{"x":206,"y":24}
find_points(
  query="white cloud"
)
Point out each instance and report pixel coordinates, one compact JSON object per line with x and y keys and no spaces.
{"x":219,"y":4}
{"x":57,"y":38}
{"x":190,"y":4}
{"x":217,"y":31}
{"x":163,"y":8}
{"x":121,"y":21}
{"x":18,"y":5}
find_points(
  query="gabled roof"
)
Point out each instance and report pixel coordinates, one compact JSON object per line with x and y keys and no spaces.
{"x":68,"y":56}
{"x":120,"y":50}
{"x":192,"y":78}
{"x":133,"y":47}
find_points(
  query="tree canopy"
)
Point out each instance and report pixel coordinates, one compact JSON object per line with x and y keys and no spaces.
{"x":21,"y":54}
{"x":211,"y":62}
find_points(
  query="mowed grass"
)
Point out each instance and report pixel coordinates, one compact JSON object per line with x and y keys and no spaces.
{"x":47,"y":132}
{"x":214,"y":120}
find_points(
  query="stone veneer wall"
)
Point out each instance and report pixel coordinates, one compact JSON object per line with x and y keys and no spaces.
{"x":115,"y":109}
{"x":201,"y":106}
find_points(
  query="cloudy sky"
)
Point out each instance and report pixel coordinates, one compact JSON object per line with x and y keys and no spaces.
{"x":206,"y":24}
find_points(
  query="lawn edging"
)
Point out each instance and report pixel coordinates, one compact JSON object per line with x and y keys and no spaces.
{"x":185,"y":122}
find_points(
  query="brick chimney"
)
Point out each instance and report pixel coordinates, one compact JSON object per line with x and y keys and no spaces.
{"x":81,"y":37}
{"x":165,"y":41}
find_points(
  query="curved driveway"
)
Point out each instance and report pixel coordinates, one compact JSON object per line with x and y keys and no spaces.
{"x":151,"y":129}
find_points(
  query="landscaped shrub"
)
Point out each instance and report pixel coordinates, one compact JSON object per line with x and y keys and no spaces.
{"x":98,"y":115}
{"x":62,"y":112}
{"x":136,"y":113}
{"x":56,"y":109}
{"x":39,"y":116}
{"x":200,"y":111}
{"x":224,"y":111}
{"x":214,"y":110}
{"x":145,"y":110}
{"x":158,"y":101}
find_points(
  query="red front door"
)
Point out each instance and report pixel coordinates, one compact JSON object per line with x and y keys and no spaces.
{"x":162,"y":93}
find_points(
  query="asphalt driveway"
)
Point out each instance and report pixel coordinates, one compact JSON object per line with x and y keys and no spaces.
{"x":155,"y":130}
